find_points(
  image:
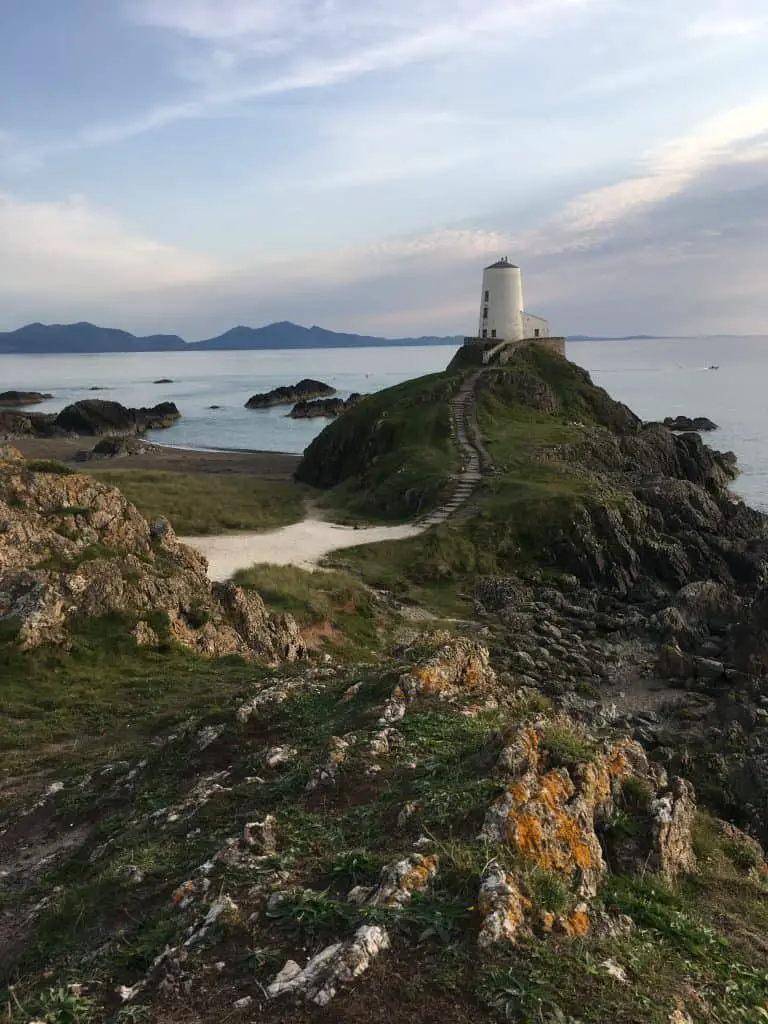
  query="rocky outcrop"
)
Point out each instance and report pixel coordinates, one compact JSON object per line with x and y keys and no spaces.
{"x":71,"y":546}
{"x":116,"y":448}
{"x":95,"y":416}
{"x":92,"y":417}
{"x":325,"y":408}
{"x":23,"y":397}
{"x":686,"y":423}
{"x":304,"y":391}
{"x":559,"y":794}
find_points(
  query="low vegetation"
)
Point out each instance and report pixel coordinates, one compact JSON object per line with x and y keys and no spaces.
{"x":206,"y":503}
{"x":333,"y":605}
{"x":389,"y":458}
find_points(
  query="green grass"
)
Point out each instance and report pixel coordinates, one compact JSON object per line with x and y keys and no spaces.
{"x":207,"y":503}
{"x":389,"y":458}
{"x":49,"y":466}
{"x":59,"y":706}
{"x":324,"y":598}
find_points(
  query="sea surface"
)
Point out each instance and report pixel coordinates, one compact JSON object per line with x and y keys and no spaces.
{"x":655,"y":378}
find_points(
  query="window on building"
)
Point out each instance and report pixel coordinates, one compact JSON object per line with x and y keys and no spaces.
{"x":487,"y":296}
{"x":536,"y":332}
{"x":485,"y":333}
{"x":485,"y":313}
{"x":493,"y":334}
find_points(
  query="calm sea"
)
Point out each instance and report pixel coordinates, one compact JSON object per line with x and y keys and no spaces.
{"x":655,"y":378}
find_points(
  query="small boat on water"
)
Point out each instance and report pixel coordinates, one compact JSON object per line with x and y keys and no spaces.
{"x":713,"y":367}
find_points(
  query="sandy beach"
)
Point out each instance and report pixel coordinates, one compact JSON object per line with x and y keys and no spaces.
{"x":267,"y":465}
{"x":303,"y":544}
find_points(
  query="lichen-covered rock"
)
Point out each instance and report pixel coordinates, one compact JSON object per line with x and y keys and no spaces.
{"x":672,"y":817}
{"x":458,"y":666}
{"x":549,"y":815}
{"x":73,"y":547}
{"x":399,"y":881}
{"x":502,"y":908}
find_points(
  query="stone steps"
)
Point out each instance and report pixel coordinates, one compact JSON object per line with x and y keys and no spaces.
{"x":475,"y":458}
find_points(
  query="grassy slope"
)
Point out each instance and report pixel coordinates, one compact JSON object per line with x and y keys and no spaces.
{"x":516,"y":512}
{"x":203,"y":503}
{"x":67,"y":712}
{"x":698,"y":936}
{"x":389,"y":458}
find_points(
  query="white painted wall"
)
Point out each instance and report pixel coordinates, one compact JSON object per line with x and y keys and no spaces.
{"x":532,"y":323}
{"x":502,"y":312}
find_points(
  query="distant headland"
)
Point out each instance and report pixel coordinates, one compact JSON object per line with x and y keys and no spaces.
{"x":79,"y":338}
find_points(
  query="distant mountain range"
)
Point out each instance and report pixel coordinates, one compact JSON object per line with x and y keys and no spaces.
{"x":53,"y":339}
{"x":57,"y":339}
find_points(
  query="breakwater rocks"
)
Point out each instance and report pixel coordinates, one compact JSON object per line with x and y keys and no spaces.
{"x":326,"y":408}
{"x":72,"y":547}
{"x":685,"y":423}
{"x":13,"y":398}
{"x":90,"y":418}
{"x":305,"y":390}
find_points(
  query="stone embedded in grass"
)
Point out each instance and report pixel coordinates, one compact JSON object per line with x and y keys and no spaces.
{"x":335,"y":966}
{"x":399,"y":881}
{"x":502,"y":907}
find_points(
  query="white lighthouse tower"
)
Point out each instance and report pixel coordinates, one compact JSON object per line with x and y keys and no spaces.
{"x":501,"y":306}
{"x":504,"y":325}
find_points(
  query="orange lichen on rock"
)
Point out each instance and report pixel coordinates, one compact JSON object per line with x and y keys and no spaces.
{"x":548,"y":816}
{"x":458,"y":665}
{"x":502,"y":907}
{"x":399,"y":881}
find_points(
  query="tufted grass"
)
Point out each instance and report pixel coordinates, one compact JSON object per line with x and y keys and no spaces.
{"x":210,"y":503}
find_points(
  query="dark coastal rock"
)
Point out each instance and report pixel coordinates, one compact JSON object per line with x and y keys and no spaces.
{"x":24,"y":424}
{"x":163,"y":380}
{"x":23,"y":397}
{"x":305,"y":390}
{"x":89,"y":418}
{"x":329,"y":408}
{"x":94,"y":417}
{"x":115,"y":448}
{"x":685,"y":423}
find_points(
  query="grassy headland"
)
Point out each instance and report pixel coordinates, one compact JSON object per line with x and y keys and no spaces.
{"x":393,"y":456}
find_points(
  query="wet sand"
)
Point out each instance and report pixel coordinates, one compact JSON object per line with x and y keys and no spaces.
{"x":265,"y":465}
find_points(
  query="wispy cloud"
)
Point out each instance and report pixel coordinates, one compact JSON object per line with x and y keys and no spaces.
{"x":248,"y":50}
{"x":60,"y":248}
{"x":730,"y":136}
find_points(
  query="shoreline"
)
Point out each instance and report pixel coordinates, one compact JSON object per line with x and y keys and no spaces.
{"x":167,"y":458}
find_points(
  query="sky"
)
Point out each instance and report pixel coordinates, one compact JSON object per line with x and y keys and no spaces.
{"x":182,"y":166}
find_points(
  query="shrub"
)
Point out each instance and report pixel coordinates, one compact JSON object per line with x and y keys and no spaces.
{"x":564,"y":746}
{"x":49,"y":466}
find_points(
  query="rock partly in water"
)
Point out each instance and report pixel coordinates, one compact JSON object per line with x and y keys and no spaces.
{"x":72,"y":546}
{"x":163,"y":380}
{"x":95,"y":416}
{"x":327,"y":408}
{"x":23,"y":397}
{"x":305,"y":390}
{"x":686,"y":423}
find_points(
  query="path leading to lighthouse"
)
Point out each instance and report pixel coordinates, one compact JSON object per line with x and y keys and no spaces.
{"x":305,"y":544}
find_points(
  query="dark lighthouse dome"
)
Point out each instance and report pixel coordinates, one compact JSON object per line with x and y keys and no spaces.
{"x":502,"y":264}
